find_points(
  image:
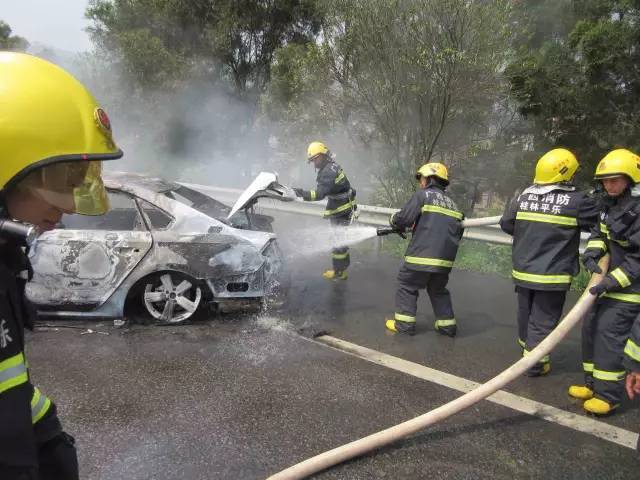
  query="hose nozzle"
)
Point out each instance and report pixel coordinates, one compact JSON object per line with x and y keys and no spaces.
{"x":383,"y":231}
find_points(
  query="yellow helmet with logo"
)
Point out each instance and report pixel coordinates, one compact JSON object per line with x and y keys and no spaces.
{"x":316,"y":148}
{"x":434,"y":169}
{"x":53,"y":135}
{"x":555,"y":166}
{"x":619,"y":162}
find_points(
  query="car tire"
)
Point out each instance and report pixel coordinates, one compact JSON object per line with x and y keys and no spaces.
{"x":170,"y":297}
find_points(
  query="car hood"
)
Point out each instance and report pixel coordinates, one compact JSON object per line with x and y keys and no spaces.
{"x":265,"y":185}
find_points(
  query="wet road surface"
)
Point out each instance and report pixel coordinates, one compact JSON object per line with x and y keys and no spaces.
{"x":241,"y":397}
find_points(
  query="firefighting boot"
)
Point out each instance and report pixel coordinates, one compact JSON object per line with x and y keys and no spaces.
{"x":335,"y":275}
{"x":397,"y":326}
{"x":598,"y":407}
{"x":539,"y":370}
{"x":446,"y":327}
{"x":581,"y":392}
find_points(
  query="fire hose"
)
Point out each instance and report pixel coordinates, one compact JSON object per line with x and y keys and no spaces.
{"x":372,"y":442}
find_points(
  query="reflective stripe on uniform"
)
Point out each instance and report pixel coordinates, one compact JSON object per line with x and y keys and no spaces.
{"x":401,"y":317}
{"x":434,"y":262}
{"x":538,"y":278}
{"x":313,"y":195}
{"x":547,"y":218}
{"x":597,"y":244}
{"x":623,"y":297}
{"x":13,"y":372}
{"x":608,"y":376}
{"x":443,"y":211}
{"x":621,"y":277}
{"x":587,"y":367}
{"x":544,"y":359}
{"x":605,"y":230}
{"x":632,"y":350}
{"x":341,"y":208}
{"x":339,"y":256}
{"x":39,"y":405}
{"x":340,"y":177}
{"x":521,"y":343}
{"x":450,"y":322}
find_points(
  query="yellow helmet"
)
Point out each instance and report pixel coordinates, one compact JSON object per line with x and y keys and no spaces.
{"x":434,"y":169}
{"x":316,"y":148}
{"x":557,"y":165}
{"x":619,"y":162}
{"x":53,"y":135}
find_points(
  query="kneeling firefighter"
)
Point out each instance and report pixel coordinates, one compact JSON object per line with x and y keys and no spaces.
{"x":53,"y":136}
{"x":545,"y":221}
{"x":437,"y":229}
{"x":333,"y":184}
{"x":605,"y":333}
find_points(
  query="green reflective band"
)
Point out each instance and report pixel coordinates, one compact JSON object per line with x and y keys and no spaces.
{"x":622,"y":243}
{"x":39,"y":405}
{"x":341,"y":176}
{"x":547,"y":218}
{"x":521,"y":343}
{"x":443,"y":211}
{"x":313,"y":195}
{"x":446,"y":323}
{"x":342,"y":208}
{"x":623,"y":297}
{"x":537,"y":278}
{"x":603,"y":228}
{"x":597,"y":244}
{"x":544,"y":359}
{"x":621,"y":277}
{"x":339,"y":256}
{"x":587,"y":367}
{"x":434,"y":262}
{"x":404,"y":318}
{"x":13,"y":372}
{"x":608,"y":376}
{"x":632,"y":350}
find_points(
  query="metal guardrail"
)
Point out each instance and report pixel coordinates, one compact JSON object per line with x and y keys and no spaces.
{"x":481,"y":229}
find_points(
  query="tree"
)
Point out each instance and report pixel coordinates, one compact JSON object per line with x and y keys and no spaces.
{"x":413,"y":81}
{"x":11,"y":42}
{"x":581,"y":84}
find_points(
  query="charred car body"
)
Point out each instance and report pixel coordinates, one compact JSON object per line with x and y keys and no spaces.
{"x":162,"y":245}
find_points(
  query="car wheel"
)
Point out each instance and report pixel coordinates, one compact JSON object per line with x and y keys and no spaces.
{"x":171,"y":297}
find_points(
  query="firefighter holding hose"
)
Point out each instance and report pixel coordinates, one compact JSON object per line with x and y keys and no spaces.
{"x":545,"y":221}
{"x":333,"y":184}
{"x":609,"y":343}
{"x":54,"y":137}
{"x":436,"y":223}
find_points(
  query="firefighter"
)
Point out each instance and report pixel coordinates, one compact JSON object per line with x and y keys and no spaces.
{"x":333,"y":184}
{"x":545,"y":221}
{"x":53,"y":137}
{"x":436,"y":223}
{"x":605,"y":332}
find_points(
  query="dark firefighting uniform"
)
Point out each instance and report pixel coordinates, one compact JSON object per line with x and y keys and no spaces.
{"x":32,"y":443}
{"x":606,"y":332}
{"x":333,"y":184}
{"x":545,"y":222}
{"x":437,"y":229}
{"x":632,"y":349}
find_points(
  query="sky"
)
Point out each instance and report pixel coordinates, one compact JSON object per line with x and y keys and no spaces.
{"x":55,"y":23}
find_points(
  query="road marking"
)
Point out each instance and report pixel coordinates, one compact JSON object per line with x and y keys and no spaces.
{"x":579,"y":423}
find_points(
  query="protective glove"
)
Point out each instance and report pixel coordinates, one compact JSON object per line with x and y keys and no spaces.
{"x":298,"y":192}
{"x":590,"y":260}
{"x":633,"y":384}
{"x":607,"y":283}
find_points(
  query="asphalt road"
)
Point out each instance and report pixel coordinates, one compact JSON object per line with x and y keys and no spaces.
{"x":241,"y":397}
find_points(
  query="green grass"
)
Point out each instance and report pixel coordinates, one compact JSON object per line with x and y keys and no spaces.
{"x":480,"y":257}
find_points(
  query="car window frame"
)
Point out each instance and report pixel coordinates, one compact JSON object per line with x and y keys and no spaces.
{"x":146,"y":218}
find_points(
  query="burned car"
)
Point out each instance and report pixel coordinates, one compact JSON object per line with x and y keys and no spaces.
{"x":164,"y":246}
